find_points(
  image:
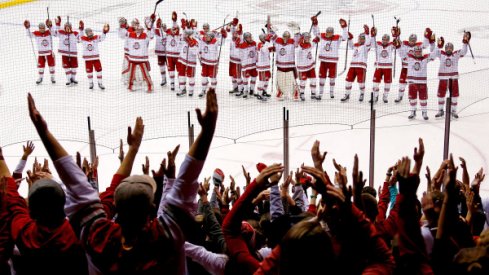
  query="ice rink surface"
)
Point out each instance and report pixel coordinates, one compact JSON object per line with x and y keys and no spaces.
{"x":248,"y":131}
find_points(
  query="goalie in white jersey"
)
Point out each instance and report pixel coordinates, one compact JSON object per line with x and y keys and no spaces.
{"x":448,"y":73}
{"x":285,"y":62}
{"x":358,"y":65}
{"x":328,"y":54}
{"x":44,"y":43}
{"x":123,"y":32}
{"x":384,"y":53}
{"x":91,"y":55}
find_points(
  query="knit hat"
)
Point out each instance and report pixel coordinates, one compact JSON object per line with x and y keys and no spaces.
{"x":46,"y":201}
{"x":260,"y":166}
{"x":218,"y":176}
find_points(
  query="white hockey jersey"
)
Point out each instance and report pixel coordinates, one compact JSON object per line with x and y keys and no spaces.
{"x":263,"y":57}
{"x":90,"y":46}
{"x":190,"y":58}
{"x":248,"y":54}
{"x":285,"y":57}
{"x":173,"y":44}
{"x":449,"y":63}
{"x":407,"y":49}
{"x":67,"y":45}
{"x":360,"y":53}
{"x":418,"y":68}
{"x":43,"y":42}
{"x":138,"y":47}
{"x":122,"y":32}
{"x":160,"y":42}
{"x":329,"y":47}
{"x":209,"y":52}
{"x":384,"y":55}
{"x":305,"y":57}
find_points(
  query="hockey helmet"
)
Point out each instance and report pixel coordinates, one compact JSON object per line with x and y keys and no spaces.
{"x":329,"y":30}
{"x":135,"y":23}
{"x":206,"y":26}
{"x":286,"y":35}
{"x":385,"y":39}
{"x":139,"y":29}
{"x":89,"y":32}
{"x":306,"y":36}
{"x":413,"y":38}
{"x":209,"y":36}
{"x":68,"y":27}
{"x":247,"y":36}
{"x":449,"y":47}
{"x":262,"y":37}
{"x":42,"y":27}
{"x":418,"y":51}
{"x":361,"y":38}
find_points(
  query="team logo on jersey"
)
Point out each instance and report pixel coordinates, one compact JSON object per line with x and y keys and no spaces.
{"x":309,"y":55}
{"x":384,"y":54}
{"x":206,"y":49}
{"x":282,"y":52}
{"x":448,"y":62}
{"x":66,"y":42}
{"x":173,"y":43}
{"x":251,"y":54}
{"x":327,"y":47}
{"x":417,"y":66}
{"x":44,"y":42}
{"x":136,"y":45}
{"x":90,"y":47}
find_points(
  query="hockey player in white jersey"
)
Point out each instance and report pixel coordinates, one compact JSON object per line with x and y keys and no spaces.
{"x":44,"y":45}
{"x":160,"y":48}
{"x":187,"y":62}
{"x":68,"y":40}
{"x":417,"y":78}
{"x":173,"y":44}
{"x":328,"y":54}
{"x":123,"y":33}
{"x":358,"y":64}
{"x":248,"y":53}
{"x":263,"y":65}
{"x":90,"y":43}
{"x":448,"y":73}
{"x":407,"y":47}
{"x":236,"y":31}
{"x":285,"y":62}
{"x":208,"y":54}
{"x":384,"y":54}
{"x":306,"y":66}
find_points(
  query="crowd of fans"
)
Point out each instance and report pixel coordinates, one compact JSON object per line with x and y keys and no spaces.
{"x":303,"y":223}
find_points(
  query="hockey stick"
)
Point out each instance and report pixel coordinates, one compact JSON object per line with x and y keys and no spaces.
{"x":154,"y":11}
{"x":50,"y":35}
{"x":220,"y":47}
{"x":373,"y":25}
{"x":395,"y":50}
{"x":346,"y":53}
{"x":32,"y":45}
{"x":317,"y":14}
{"x":470,"y":49}
{"x":69,"y":44}
{"x":273,"y":55}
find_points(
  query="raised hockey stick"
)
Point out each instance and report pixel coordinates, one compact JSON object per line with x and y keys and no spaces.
{"x":346,"y":53}
{"x":317,"y":14}
{"x":470,"y":49}
{"x":50,"y":34}
{"x":69,"y":43}
{"x":395,"y":50}
{"x":154,"y":11}
{"x":273,"y":55}
{"x":32,"y":45}
{"x":220,"y":47}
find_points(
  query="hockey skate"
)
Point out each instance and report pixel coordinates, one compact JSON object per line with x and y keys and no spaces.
{"x":68,"y":83}
{"x":239,"y":93}
{"x":385,"y":98}
{"x":191,"y":93}
{"x":425,"y":115}
{"x":318,"y":97}
{"x":376,"y":99}
{"x":313,"y":96}
{"x":266,"y":95}
{"x":245,"y":94}
{"x":252,"y":92}
{"x":412,"y":115}
{"x":90,"y":86}
{"x":101,"y":86}
{"x":201,"y":94}
{"x":163,"y":82}
{"x":440,"y":113}
{"x":234,"y":91}
{"x":331,"y":95}
{"x":303,"y":97}
{"x":39,"y":81}
{"x":454,"y":115}
{"x":360,"y":98}
{"x":398,"y":99}
{"x":182,"y":92}
{"x":53,"y":80}
{"x":74,"y":81}
{"x":172,"y":87}
{"x":345,"y":98}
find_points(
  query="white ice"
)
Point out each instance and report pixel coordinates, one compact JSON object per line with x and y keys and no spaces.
{"x":248,"y":131}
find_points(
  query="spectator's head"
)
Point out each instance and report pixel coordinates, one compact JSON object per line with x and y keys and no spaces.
{"x":370,"y":190}
{"x":218,"y":176}
{"x":305,"y":246}
{"x":370,"y":206}
{"x":474,"y":260}
{"x":46,"y":203}
{"x":134,"y":203}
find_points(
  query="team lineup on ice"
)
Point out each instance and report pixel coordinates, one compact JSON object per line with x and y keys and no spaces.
{"x":181,"y":47}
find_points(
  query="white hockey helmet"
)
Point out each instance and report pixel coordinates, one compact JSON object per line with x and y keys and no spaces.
{"x":286,"y":34}
{"x":449,"y":47}
{"x":206,"y":26}
{"x":210,"y":35}
{"x":135,"y":23}
{"x":330,"y":30}
{"x":413,"y":38}
{"x":42,"y":25}
{"x":89,"y":32}
{"x":418,"y":51}
{"x":262,"y":37}
{"x":247,"y":35}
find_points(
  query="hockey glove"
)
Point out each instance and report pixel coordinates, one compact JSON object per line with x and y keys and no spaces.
{"x":441,"y":42}
{"x":27,"y":24}
{"x":343,"y":23}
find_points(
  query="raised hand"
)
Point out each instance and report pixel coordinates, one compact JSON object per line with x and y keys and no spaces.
{"x":321,"y":179}
{"x":246,"y":176}
{"x":465,"y":173}
{"x":171,"y":169}
{"x":28,"y":149}
{"x":36,"y":117}
{"x":450,"y":180}
{"x":408,"y":184}
{"x":418,"y":157}
{"x":270,"y":176}
{"x":135,"y":137}
{"x":429,"y":187}
{"x":316,"y":155}
{"x":78,"y":159}
{"x":478,"y":179}
{"x":146,"y":166}
{"x":121,"y":151}
{"x":206,"y":184}
{"x":208,"y":119}
{"x":358,"y":181}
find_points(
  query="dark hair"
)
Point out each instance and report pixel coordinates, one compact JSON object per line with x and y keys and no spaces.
{"x":46,"y":203}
